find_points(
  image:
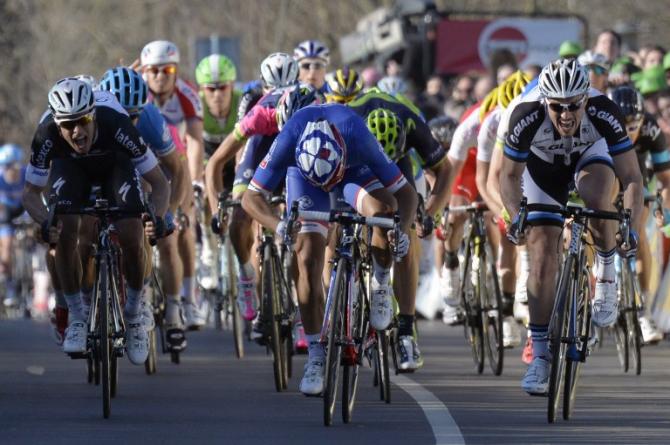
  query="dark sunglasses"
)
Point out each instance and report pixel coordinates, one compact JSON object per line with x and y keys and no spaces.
{"x":560,"y":108}
{"x":598,"y":70}
{"x":166,"y":69}
{"x":312,"y":65}
{"x":216,"y":86}
{"x":70,"y":125}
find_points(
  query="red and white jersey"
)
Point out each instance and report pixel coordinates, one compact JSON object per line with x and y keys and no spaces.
{"x":184,"y":104}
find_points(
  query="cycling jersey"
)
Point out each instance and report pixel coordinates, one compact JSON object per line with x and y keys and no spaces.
{"x":652,"y":141}
{"x":114,"y":133}
{"x":154,"y":131}
{"x":11,"y":193}
{"x":418,"y":134}
{"x":362,"y":149}
{"x":261,"y":119}
{"x":488,"y":130}
{"x":182,"y":105}
{"x":531,"y":130}
{"x":466,"y":136}
{"x":215,"y":130}
{"x":254,"y":151}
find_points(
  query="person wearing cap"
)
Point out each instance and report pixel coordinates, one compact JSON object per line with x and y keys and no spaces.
{"x":666,"y":67}
{"x":650,"y":83}
{"x":598,"y":69}
{"x":570,"y":49}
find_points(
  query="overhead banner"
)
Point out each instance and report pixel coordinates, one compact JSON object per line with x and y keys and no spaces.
{"x":464,"y":45}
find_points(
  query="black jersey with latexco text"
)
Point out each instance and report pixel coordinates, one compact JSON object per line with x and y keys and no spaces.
{"x":114,"y":132}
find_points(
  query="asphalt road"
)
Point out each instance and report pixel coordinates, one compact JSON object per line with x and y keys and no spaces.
{"x":212,"y":397}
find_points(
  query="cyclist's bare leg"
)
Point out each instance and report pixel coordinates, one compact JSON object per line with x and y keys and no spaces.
{"x":309,"y":249}
{"x":406,"y":273}
{"x":131,"y":238}
{"x":68,"y":265}
{"x":187,"y":251}
{"x":591,"y":181}
{"x":543,"y":249}
{"x":87,"y":236}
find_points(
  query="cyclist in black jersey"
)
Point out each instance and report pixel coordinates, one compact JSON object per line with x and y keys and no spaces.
{"x":85,"y":142}
{"x":564,"y":131}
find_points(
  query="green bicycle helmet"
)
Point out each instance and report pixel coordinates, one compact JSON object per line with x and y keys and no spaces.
{"x":215,"y":69}
{"x":389,"y":130}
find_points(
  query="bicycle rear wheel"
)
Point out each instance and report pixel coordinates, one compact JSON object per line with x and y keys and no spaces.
{"x":491,"y":313}
{"x":382,"y":360}
{"x":558,"y":330}
{"x":150,"y":363}
{"x":334,"y":348}
{"x":578,"y":351}
{"x":633,"y":331}
{"x":270,"y":298}
{"x":103,"y":335}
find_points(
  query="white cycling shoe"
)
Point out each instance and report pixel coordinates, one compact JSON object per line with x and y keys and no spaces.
{"x":137,"y":342}
{"x":75,"y":338}
{"x":381,"y":306}
{"x":650,"y":333}
{"x":605,"y":304}
{"x":536,"y":380}
{"x":450,"y":282}
{"x":193,"y":318}
{"x":147,"y":312}
{"x":312,"y":381}
{"x":511,"y":332}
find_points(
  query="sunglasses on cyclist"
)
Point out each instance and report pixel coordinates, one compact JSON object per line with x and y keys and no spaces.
{"x":211,"y":87}
{"x":312,"y":66}
{"x":597,"y":70}
{"x":70,"y":125}
{"x":559,"y":108}
{"x":165,"y":69}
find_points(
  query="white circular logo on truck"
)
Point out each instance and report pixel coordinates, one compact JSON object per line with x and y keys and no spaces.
{"x":502,"y":34}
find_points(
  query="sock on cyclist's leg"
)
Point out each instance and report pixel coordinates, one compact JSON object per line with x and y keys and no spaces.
{"x":145,"y":290}
{"x":538,"y":334}
{"x":247,"y":271}
{"x":507,"y":304}
{"x":74,"y":306}
{"x":450,"y":260}
{"x":405,"y":324}
{"x":315,"y":349}
{"x":172,"y":314}
{"x":605,"y":270}
{"x":382,"y":274}
{"x":133,"y":299}
{"x":188,"y":290}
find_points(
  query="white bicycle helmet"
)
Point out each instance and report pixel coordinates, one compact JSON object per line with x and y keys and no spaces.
{"x":592,"y":58}
{"x":70,"y":99}
{"x":279,"y":70}
{"x":392,"y":85}
{"x":563,"y":78}
{"x":312,"y":49}
{"x":159,"y":52}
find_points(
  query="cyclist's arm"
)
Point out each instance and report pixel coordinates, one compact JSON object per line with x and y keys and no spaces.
{"x":628,"y":171}
{"x":178,"y":186}
{"x":493,"y":179}
{"x":408,"y":200}
{"x":195,"y":148}
{"x":32,"y":201}
{"x":160,"y":190}
{"x":664,"y":178}
{"x":214,"y":169}
{"x":439,"y":195}
{"x":254,"y":203}
{"x":481,"y":180}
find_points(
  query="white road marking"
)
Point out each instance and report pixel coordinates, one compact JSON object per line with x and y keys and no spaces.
{"x":35,"y":370}
{"x":444,"y":426}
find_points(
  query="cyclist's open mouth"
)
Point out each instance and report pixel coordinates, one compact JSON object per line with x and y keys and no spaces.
{"x":566,"y":124}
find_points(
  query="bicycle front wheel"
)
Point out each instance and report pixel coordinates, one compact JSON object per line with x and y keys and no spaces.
{"x":359,"y":327}
{"x":491,"y":313}
{"x":271,"y":299}
{"x":470,"y":295}
{"x":558,"y":330}
{"x":103,"y":335}
{"x":334,"y":349}
{"x":633,"y":331}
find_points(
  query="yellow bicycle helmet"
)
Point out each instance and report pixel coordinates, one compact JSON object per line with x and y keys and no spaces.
{"x":511,"y":88}
{"x":345,"y":84}
{"x":389,"y":130}
{"x":489,"y":103}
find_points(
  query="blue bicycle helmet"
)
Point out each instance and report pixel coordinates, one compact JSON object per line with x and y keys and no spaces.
{"x":128,"y":87}
{"x":10,"y":154}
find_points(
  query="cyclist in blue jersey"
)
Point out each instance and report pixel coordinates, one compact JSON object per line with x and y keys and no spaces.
{"x":12,"y":180}
{"x":323,"y":149}
{"x":131,"y":91}
{"x":313,"y":58}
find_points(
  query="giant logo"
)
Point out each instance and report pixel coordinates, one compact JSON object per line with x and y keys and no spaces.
{"x":502,"y":34}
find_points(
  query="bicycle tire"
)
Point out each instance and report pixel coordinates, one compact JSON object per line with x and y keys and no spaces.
{"x":103,"y":335}
{"x":150,"y":363}
{"x":473,"y":316}
{"x":279,"y":315}
{"x":268,"y":293}
{"x":351,"y":371}
{"x":621,"y":341}
{"x":334,"y":348}
{"x":174,"y":357}
{"x":491,"y":314}
{"x":582,"y":332}
{"x":558,"y":329}
{"x":633,"y":332}
{"x":384,"y":374}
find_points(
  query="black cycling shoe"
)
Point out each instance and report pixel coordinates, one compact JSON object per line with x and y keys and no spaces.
{"x":259,"y":331}
{"x":176,"y":340}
